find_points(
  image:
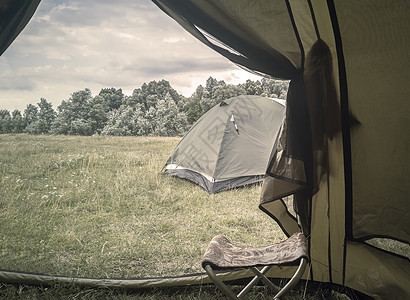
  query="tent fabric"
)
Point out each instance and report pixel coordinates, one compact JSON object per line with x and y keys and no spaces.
{"x":216,"y":151}
{"x":122,"y":283}
{"x":14,"y":16}
{"x":342,"y":150}
{"x":249,"y":45}
{"x":134,"y":283}
{"x":349,"y":66}
{"x":378,"y":67}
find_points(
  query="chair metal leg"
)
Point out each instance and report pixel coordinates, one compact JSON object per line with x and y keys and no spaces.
{"x":219,"y":283}
{"x":294,"y":280}
{"x":266,"y":281}
{"x":260,"y":275}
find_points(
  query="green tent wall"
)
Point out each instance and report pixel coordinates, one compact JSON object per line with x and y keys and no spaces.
{"x":347,"y":124}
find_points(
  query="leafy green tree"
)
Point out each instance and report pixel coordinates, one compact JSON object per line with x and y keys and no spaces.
{"x":42,"y":119}
{"x":149,"y":94}
{"x":30,"y":114}
{"x":46,"y":114}
{"x":113,"y":97}
{"x":135,"y":99}
{"x":17,"y":122}
{"x":145,"y":122}
{"x":81,"y":114}
{"x":80,"y":127}
{"x":208,"y":99}
{"x":169,"y":121}
{"x":226,"y":91}
{"x":97,"y":114}
{"x":252,"y":87}
{"x":216,"y":91}
{"x":274,"y":88}
{"x":120,"y":122}
{"x":191,"y":107}
{"x":73,"y":115}
{"x":5,"y":121}
{"x":210,"y":85}
{"x":129,"y":121}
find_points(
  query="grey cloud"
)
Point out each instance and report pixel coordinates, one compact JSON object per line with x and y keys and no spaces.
{"x":24,"y":83}
{"x":73,"y":44}
{"x":163,"y":67}
{"x":96,"y":12}
{"x":54,"y":16}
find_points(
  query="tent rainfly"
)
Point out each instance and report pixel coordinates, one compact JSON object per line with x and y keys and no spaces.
{"x":230,"y":145}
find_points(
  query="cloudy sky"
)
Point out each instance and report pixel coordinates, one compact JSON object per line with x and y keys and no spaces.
{"x":71,"y":45}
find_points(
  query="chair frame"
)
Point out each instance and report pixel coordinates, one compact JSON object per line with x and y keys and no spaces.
{"x":259,"y":275}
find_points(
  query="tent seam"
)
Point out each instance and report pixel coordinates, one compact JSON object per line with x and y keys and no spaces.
{"x":344,"y":111}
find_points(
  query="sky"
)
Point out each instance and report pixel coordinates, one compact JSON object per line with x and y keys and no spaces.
{"x":72,"y":45}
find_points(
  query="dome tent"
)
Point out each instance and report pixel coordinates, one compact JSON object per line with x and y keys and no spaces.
{"x":230,"y":145}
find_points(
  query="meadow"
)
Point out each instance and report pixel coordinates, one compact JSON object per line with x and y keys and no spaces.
{"x":99,"y":207}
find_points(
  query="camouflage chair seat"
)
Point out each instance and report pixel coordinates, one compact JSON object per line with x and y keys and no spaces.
{"x":221,"y":254}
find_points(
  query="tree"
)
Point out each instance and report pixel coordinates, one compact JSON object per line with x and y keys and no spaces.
{"x":145,"y":122}
{"x":97,"y":114}
{"x":226,"y":91}
{"x":208,"y":99}
{"x":149,"y":94}
{"x":46,"y":115}
{"x":17,"y":122}
{"x":191,"y":107}
{"x":252,"y":87}
{"x":168,"y":120}
{"x":128,"y":121}
{"x":112,"y":97}
{"x":274,"y":88}
{"x":216,"y":91}
{"x":73,"y":115}
{"x":41,"y":119}
{"x":30,"y":115}
{"x":5,"y":121}
{"x":211,"y":83}
{"x":120,"y":122}
{"x":81,"y":114}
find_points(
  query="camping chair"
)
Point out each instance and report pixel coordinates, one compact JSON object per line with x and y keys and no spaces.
{"x":221,"y":254}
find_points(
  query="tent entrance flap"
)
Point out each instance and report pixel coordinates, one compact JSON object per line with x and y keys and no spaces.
{"x":355,"y":153}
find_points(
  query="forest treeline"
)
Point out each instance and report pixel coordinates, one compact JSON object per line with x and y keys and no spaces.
{"x":153,"y":109}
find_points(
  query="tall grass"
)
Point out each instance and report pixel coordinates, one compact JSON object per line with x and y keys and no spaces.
{"x":99,"y":207}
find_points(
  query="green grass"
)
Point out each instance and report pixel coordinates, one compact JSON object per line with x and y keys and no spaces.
{"x":209,"y":292}
{"x":99,"y":207}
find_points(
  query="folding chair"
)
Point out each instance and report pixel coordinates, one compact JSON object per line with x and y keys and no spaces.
{"x":221,"y":254}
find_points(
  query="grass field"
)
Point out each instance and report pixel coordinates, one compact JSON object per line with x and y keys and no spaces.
{"x":99,"y":207}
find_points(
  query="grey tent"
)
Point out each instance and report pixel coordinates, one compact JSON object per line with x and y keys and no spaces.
{"x":230,"y":145}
